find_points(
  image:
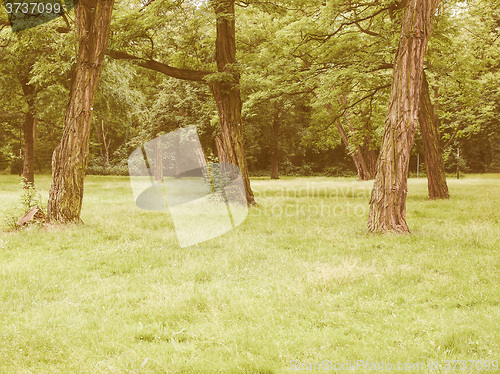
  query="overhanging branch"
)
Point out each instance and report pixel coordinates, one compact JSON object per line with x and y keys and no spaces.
{"x":184,"y":74}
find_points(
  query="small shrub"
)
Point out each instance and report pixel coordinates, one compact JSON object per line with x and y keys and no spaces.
{"x":306,"y":170}
{"x":29,"y":198}
{"x":333,"y":171}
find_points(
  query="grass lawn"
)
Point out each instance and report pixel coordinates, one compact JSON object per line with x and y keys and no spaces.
{"x":299,"y":281}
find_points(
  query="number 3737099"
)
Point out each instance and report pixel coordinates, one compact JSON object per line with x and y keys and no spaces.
{"x":32,"y":8}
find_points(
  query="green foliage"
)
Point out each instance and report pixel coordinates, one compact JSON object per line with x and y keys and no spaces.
{"x":29,"y":198}
{"x":306,"y":66}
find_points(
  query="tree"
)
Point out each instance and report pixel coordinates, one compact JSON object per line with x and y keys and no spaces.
{"x":434,"y":163}
{"x":69,"y":161}
{"x":388,"y":199}
{"x":275,"y":102}
{"x":343,"y":47}
{"x":27,"y":82}
{"x":226,"y":90}
{"x":224,"y":83}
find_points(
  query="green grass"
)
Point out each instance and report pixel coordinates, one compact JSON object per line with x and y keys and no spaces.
{"x":300,"y":279}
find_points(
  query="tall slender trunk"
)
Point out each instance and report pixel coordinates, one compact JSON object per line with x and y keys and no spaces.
{"x":29,"y":131}
{"x":69,"y":160}
{"x":227,"y":92}
{"x":275,"y":134}
{"x":158,"y":165}
{"x":429,"y":126}
{"x":388,"y":199}
{"x":105,"y":144}
{"x":29,"y":128}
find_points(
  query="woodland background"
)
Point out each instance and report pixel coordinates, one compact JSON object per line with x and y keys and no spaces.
{"x":315,"y":83}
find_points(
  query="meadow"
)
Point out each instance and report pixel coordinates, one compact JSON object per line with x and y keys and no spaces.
{"x":299,"y":281}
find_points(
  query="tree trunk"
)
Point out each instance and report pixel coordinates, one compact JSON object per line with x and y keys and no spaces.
{"x":371,"y":159}
{"x":226,"y":92}
{"x":363,"y":157}
{"x":388,"y":199}
{"x":274,"y":163}
{"x":69,"y":160}
{"x":275,"y":143}
{"x":158,"y":166}
{"x":29,"y":130}
{"x":429,"y":126}
{"x":105,"y":145}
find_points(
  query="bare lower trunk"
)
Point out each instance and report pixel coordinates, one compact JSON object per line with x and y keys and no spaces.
{"x":227,"y":93}
{"x":367,"y":161}
{"x":230,"y":141}
{"x":105,"y":145}
{"x":29,"y":128}
{"x":429,"y":126}
{"x":158,"y":166}
{"x":29,"y":131}
{"x":275,"y":143}
{"x":388,"y":199}
{"x":363,"y":157}
{"x":69,"y":161}
{"x":274,"y":166}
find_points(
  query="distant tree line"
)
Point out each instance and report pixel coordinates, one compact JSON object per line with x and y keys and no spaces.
{"x":298,"y":87}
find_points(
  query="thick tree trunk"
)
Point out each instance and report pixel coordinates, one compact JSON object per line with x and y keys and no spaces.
{"x":429,"y":126}
{"x":388,"y":199}
{"x":69,"y":161}
{"x":226,"y":92}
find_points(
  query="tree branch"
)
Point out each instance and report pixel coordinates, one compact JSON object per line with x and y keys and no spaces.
{"x":6,"y":116}
{"x":452,"y":139}
{"x":184,"y":74}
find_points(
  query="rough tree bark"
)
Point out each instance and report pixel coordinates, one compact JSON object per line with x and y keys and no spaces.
{"x":69,"y":160}
{"x":226,"y":92}
{"x":434,"y":164}
{"x":388,"y":199}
